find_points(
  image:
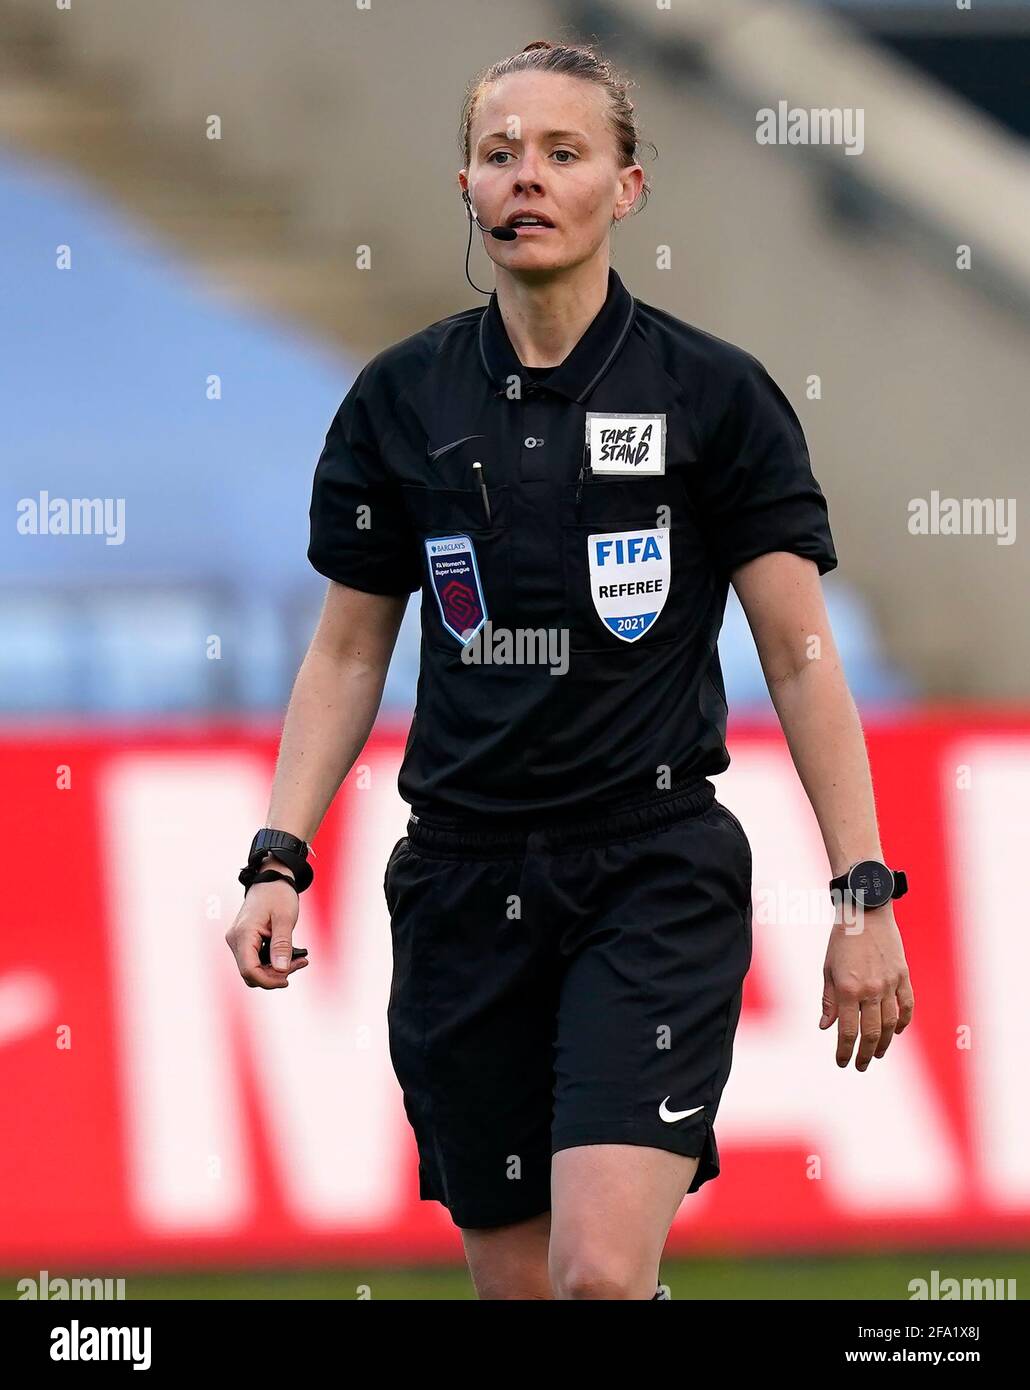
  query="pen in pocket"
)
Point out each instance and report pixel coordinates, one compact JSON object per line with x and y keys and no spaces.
{"x":579,"y":481}
{"x":486,"y":496}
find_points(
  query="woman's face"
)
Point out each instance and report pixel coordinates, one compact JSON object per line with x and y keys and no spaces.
{"x":542,"y":141}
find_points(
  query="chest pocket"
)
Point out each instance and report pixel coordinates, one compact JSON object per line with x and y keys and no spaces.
{"x":635,"y":565}
{"x":471,"y":579}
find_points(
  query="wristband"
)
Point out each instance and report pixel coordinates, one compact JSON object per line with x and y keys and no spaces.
{"x":268,"y":876}
{"x":288,"y":849}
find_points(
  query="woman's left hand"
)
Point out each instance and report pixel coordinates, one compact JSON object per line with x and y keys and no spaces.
{"x":866,"y":986}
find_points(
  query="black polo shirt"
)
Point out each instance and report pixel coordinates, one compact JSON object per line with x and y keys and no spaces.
{"x":622,"y":489}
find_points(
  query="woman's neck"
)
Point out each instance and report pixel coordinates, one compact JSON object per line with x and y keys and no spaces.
{"x":546,"y":319}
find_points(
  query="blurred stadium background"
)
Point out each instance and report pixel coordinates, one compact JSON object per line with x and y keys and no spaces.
{"x":181,"y":317}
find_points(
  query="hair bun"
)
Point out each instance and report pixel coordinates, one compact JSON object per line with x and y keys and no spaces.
{"x":537,"y":43}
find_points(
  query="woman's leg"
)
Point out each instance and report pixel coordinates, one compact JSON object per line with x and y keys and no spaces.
{"x":510,"y":1261}
{"x":611,"y":1209}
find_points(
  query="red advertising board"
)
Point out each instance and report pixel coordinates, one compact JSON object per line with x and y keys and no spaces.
{"x":156,"y":1111}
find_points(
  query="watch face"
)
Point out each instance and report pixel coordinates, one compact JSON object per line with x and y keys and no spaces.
{"x":874,"y":881}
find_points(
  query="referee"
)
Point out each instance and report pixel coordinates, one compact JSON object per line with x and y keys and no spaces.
{"x":572,"y":478}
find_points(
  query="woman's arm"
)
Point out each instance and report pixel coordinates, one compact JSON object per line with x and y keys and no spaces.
{"x":865,"y":974}
{"x":333,"y":705}
{"x":331,"y":711}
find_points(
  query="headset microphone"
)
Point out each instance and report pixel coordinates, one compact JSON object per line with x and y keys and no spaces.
{"x":501,"y":233}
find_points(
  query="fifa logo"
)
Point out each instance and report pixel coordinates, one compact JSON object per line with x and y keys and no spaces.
{"x":630,"y":550}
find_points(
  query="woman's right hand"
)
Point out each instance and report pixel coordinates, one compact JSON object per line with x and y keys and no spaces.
{"x":269,"y":910}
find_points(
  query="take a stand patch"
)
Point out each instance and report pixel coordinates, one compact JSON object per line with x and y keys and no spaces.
{"x":630,"y":572}
{"x":454,"y":575}
{"x":628,"y":445}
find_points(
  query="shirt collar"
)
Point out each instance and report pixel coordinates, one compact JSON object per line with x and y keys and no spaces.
{"x":585,"y":365}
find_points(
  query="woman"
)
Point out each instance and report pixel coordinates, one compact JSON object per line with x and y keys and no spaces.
{"x":573,"y":478}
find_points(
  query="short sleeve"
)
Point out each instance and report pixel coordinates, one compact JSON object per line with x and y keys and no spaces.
{"x":758,"y":493}
{"x":360,"y":533}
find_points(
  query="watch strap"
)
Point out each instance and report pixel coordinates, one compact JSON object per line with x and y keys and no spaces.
{"x":270,"y":840}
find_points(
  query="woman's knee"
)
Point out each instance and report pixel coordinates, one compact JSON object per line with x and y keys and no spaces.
{"x":612,"y":1206}
{"x":591,"y":1271}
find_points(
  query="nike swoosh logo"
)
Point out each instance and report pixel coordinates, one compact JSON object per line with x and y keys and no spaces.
{"x":670,"y":1115}
{"x":445,"y":448}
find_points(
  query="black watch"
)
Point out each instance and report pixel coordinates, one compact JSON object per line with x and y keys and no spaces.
{"x":874,"y":881}
{"x":287,"y":848}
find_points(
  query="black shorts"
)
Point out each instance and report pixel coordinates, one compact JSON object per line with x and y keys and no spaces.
{"x":578,"y":984}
